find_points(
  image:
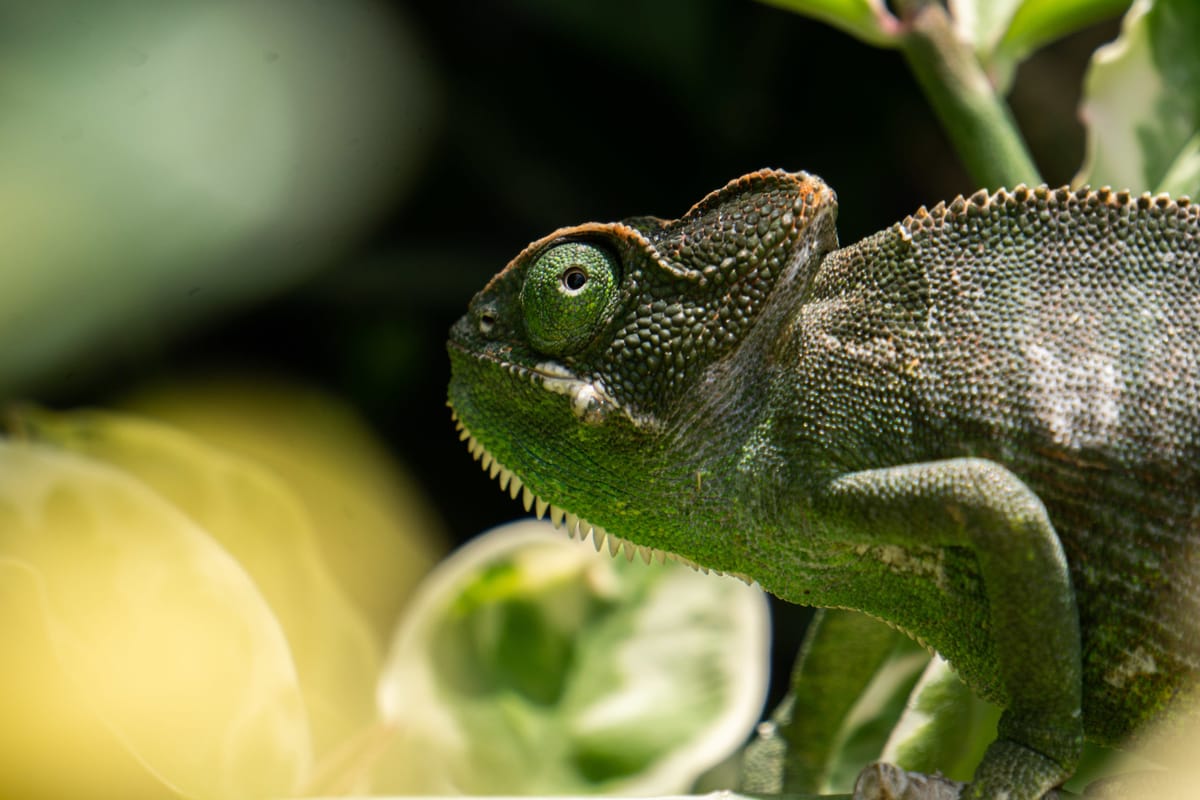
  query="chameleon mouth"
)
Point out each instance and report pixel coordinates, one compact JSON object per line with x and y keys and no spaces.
{"x":549,"y":375}
{"x":590,"y":401}
{"x":575,"y":526}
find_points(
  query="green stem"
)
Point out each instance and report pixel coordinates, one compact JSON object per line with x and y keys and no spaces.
{"x":977,"y":120}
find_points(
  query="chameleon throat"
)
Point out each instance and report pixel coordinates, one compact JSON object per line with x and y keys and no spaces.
{"x":575,"y":527}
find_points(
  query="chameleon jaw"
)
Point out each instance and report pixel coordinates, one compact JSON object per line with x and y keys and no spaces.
{"x":575,"y":527}
{"x":590,"y":400}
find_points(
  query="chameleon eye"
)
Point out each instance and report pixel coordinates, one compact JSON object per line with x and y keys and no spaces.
{"x":569,"y":291}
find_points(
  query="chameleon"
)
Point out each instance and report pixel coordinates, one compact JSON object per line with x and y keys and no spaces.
{"x":980,"y":425}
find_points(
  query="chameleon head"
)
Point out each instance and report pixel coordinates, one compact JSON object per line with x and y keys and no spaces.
{"x":579,"y":362}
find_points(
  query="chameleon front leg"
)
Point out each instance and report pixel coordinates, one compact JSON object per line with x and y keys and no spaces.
{"x":983,"y":506}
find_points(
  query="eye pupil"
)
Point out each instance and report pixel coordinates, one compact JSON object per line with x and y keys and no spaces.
{"x":574,"y":279}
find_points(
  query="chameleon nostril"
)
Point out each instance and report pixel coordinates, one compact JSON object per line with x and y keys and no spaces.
{"x":487,"y":322}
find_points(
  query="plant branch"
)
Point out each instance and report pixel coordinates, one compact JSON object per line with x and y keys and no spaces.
{"x":978,"y":122}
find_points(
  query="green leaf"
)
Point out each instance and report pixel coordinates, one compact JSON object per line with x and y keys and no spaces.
{"x":1035,"y":23}
{"x":846,"y":693}
{"x":1183,"y":174}
{"x":162,"y":161}
{"x":983,"y":22}
{"x":1000,"y":32}
{"x":1142,"y":102}
{"x":868,"y":724}
{"x":868,"y":20}
{"x":945,"y":727}
{"x":529,"y":664}
{"x":146,"y":653}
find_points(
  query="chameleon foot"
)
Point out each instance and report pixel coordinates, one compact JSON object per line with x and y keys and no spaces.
{"x":882,"y":781}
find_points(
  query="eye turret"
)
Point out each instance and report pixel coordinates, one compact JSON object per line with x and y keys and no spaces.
{"x":569,"y":292}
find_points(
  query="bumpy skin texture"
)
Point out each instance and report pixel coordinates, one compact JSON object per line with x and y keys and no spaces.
{"x":981,"y":425}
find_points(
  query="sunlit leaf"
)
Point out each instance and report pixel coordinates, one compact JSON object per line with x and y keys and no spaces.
{"x":869,"y":723}
{"x":376,"y":532}
{"x":49,"y":724}
{"x":1005,"y":32}
{"x":868,"y":20}
{"x":1183,"y":174}
{"x":848,"y":689}
{"x":983,"y":22}
{"x":160,"y":638}
{"x":945,"y":727}
{"x":1142,"y":102}
{"x":1038,"y":22}
{"x":528,"y":664}
{"x":258,"y":520}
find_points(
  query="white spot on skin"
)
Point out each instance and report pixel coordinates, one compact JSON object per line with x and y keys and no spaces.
{"x":926,"y":563}
{"x":552,"y":369}
{"x":1137,"y":663}
{"x":590,"y":401}
{"x":557,"y":378}
{"x":1075,"y":399}
{"x":586,"y":401}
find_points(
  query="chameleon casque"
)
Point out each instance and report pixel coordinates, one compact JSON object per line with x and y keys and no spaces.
{"x":981,"y":425}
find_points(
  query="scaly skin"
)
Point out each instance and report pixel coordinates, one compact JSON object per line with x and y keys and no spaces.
{"x":981,"y":425}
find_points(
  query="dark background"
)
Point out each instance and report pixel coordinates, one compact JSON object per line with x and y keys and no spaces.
{"x":550,"y":113}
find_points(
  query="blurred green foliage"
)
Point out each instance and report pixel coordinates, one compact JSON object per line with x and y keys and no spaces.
{"x":530,"y":665}
{"x":163,"y":162}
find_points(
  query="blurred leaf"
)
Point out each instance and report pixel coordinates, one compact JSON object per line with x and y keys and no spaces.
{"x":163,"y":160}
{"x":172,"y":649}
{"x":1001,"y":32}
{"x":1183,"y":174}
{"x":259,"y":521}
{"x":945,"y":727}
{"x":983,"y":22}
{"x":866,"y":728}
{"x":868,"y":20}
{"x":1039,"y":22}
{"x":1161,"y":763}
{"x":530,"y":665}
{"x":835,"y":719}
{"x":1142,"y":102}
{"x":52,"y":744}
{"x":377,"y":534}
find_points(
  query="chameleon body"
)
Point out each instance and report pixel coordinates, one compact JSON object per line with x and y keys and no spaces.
{"x":981,"y":425}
